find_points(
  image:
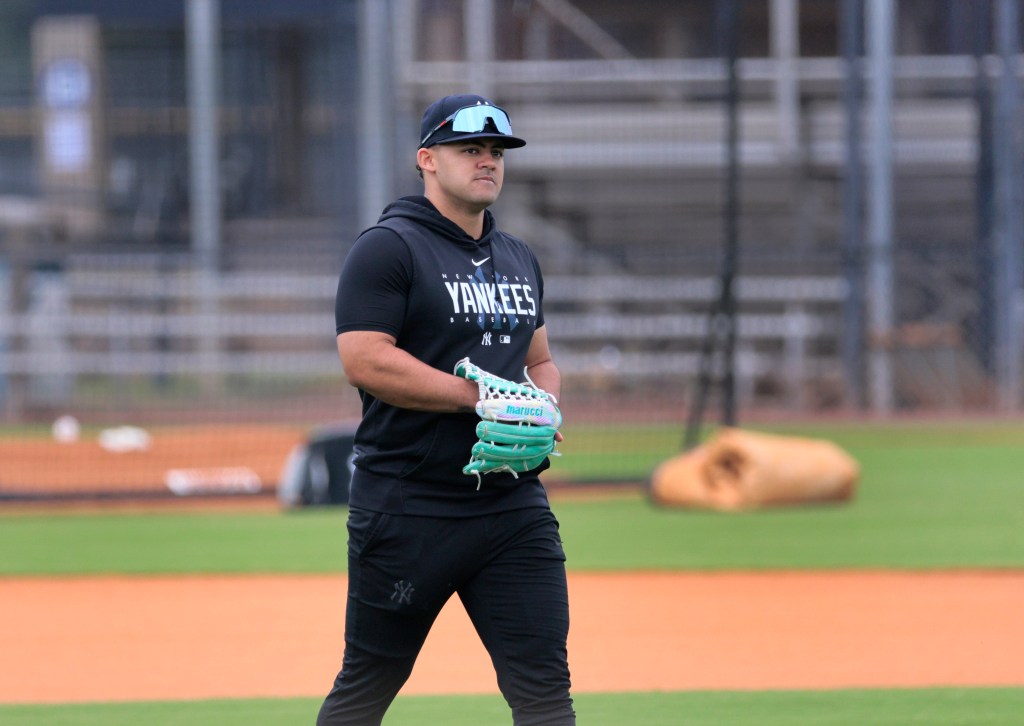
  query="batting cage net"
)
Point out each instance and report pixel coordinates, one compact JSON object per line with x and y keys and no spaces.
{"x":798,"y":208}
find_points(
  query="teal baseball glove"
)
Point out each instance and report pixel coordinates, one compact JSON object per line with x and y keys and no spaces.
{"x":518,"y":424}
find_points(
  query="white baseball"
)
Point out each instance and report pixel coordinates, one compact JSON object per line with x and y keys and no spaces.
{"x":66,"y":429}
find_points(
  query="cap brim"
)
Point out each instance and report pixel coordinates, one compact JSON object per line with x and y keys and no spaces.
{"x":509,"y":142}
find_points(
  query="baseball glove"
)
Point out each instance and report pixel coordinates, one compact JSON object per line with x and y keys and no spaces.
{"x":518,"y":424}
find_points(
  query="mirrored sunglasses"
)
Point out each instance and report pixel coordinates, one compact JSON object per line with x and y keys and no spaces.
{"x":473,"y":119}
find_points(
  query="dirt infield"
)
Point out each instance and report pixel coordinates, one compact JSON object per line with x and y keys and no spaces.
{"x":121,"y":638}
{"x":43,"y":466}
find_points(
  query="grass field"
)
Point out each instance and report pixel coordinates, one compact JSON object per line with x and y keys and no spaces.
{"x":593,"y":451}
{"x":934,"y":496}
{"x":923,"y":707}
{"x":930,"y":497}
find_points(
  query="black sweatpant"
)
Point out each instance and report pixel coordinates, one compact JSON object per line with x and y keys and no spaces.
{"x":509,"y":571}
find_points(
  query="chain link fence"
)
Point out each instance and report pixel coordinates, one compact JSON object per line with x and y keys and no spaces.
{"x":640,"y":166}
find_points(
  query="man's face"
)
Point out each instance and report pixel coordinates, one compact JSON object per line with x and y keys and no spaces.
{"x":470,"y":173}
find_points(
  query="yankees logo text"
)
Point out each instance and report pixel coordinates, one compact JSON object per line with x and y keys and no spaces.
{"x":494,"y":299}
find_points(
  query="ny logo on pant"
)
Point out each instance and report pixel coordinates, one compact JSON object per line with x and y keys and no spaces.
{"x":403,"y":592}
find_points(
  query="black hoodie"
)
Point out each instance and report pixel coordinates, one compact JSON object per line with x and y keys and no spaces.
{"x":444,"y":296}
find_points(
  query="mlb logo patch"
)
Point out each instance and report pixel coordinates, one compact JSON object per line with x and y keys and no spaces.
{"x":504,"y":338}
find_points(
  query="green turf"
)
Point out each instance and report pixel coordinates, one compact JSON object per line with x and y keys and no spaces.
{"x":604,"y":452}
{"x":304,"y":541}
{"x":964,"y":512}
{"x":927,"y":707}
{"x":930,"y":497}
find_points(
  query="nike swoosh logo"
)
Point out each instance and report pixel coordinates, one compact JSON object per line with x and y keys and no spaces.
{"x":477,"y":264}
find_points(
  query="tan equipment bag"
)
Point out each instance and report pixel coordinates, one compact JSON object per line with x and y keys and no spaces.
{"x":739,"y":470}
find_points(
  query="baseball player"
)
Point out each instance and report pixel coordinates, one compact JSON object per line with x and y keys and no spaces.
{"x":441,"y":329}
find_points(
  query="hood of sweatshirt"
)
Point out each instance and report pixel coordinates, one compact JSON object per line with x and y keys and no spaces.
{"x":423,"y":211}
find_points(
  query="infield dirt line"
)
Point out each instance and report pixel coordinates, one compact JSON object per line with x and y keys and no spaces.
{"x":141,"y":638}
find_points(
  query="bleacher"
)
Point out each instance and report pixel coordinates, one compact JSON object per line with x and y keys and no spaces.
{"x":137,"y":316}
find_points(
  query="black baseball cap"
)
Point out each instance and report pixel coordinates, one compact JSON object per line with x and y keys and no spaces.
{"x":466,"y":116}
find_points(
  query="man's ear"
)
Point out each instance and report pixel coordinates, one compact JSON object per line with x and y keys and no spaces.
{"x":425,"y":159}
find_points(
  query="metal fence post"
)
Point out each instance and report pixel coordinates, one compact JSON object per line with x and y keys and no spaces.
{"x":1009,"y":257}
{"x":852,"y":342}
{"x":880,"y":17}
{"x":202,"y":21}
